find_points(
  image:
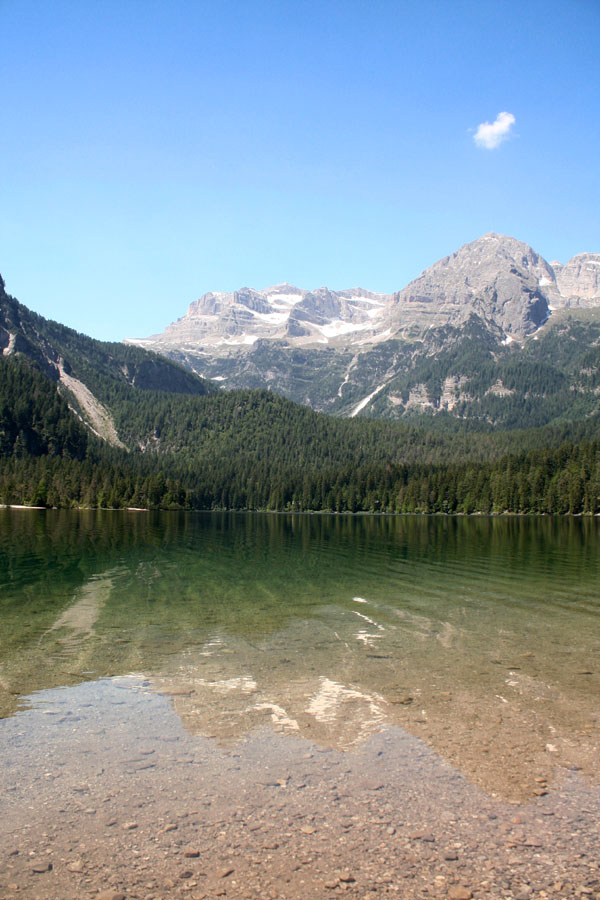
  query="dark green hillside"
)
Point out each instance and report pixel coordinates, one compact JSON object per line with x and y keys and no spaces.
{"x":551,"y":379}
{"x":34,"y":419}
{"x":255,"y":450}
{"x":103,"y":367}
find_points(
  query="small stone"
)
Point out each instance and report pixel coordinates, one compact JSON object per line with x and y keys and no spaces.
{"x":191,"y":853}
{"x":130,"y":826}
{"x":346,"y":877}
{"x":458,"y":892}
{"x":170,"y":827}
{"x":331,"y":885}
{"x":110,"y":895}
{"x":40,"y":867}
{"x":187,"y":873}
{"x":224,"y":873}
{"x":272,"y":846}
{"x":451,"y":855}
{"x":75,"y":866}
{"x":307,"y":829}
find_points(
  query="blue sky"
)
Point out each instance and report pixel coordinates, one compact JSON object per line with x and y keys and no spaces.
{"x":153,"y":151}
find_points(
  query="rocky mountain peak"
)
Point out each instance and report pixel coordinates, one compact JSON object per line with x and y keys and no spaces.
{"x":502,"y":280}
{"x":506,"y":284}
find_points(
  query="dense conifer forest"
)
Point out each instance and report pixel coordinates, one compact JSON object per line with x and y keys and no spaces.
{"x":256,"y":450}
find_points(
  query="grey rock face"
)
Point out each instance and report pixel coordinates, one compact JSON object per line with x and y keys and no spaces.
{"x":224,"y":321}
{"x":354,"y":350}
{"x":502,"y":280}
{"x":509,"y":286}
{"x":579,"y":280}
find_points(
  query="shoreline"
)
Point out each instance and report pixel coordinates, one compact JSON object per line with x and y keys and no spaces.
{"x":315,"y":512}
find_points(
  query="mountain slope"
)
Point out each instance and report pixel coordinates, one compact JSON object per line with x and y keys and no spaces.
{"x":472,"y":337}
{"x":91,"y":374}
{"x":502,"y":281}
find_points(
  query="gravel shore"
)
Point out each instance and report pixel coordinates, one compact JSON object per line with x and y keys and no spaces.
{"x":106,"y":795}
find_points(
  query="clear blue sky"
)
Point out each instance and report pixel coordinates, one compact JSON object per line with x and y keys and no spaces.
{"x":153,"y":151}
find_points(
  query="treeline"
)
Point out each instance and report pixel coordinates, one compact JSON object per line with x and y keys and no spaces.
{"x":109,"y":481}
{"x":565,"y":480}
{"x":256,"y":450}
{"x":560,"y":481}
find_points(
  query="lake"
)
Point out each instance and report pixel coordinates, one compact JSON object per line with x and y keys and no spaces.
{"x":253,"y":705}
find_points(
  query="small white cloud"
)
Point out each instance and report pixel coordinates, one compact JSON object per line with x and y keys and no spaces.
{"x":491,"y":135}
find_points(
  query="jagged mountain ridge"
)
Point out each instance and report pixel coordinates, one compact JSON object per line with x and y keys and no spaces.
{"x":358,"y":352}
{"x":281,"y":312}
{"x":504,"y":281}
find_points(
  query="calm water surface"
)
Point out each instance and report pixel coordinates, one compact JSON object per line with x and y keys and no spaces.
{"x":293,"y":696}
{"x":483,"y":632}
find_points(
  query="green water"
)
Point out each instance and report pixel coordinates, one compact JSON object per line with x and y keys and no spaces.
{"x":343,"y":622}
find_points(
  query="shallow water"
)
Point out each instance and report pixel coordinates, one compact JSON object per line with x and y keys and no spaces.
{"x":431,"y":672}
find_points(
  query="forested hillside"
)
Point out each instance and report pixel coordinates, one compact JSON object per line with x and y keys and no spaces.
{"x":105,"y":368}
{"x":254,"y":450}
{"x":192,"y":447}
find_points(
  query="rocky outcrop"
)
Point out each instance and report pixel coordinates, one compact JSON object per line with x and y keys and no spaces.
{"x":501,"y":280}
{"x":491,"y":297}
{"x":579,"y":280}
{"x":226,"y":321}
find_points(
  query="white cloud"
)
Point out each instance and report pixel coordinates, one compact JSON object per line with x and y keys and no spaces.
{"x":491,"y":135}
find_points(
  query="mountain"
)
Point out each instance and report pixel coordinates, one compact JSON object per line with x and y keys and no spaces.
{"x":81,"y":424}
{"x":283,"y":312}
{"x":475,"y":336}
{"x":500,"y":280}
{"x":89,"y":374}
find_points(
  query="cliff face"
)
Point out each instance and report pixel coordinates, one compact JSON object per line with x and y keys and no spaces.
{"x":222,"y":321}
{"x":504,"y":282}
{"x":579,"y":280}
{"x":436,"y":345}
{"x":500,"y":279}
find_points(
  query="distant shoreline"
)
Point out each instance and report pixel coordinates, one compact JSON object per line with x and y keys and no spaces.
{"x":318,"y":512}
